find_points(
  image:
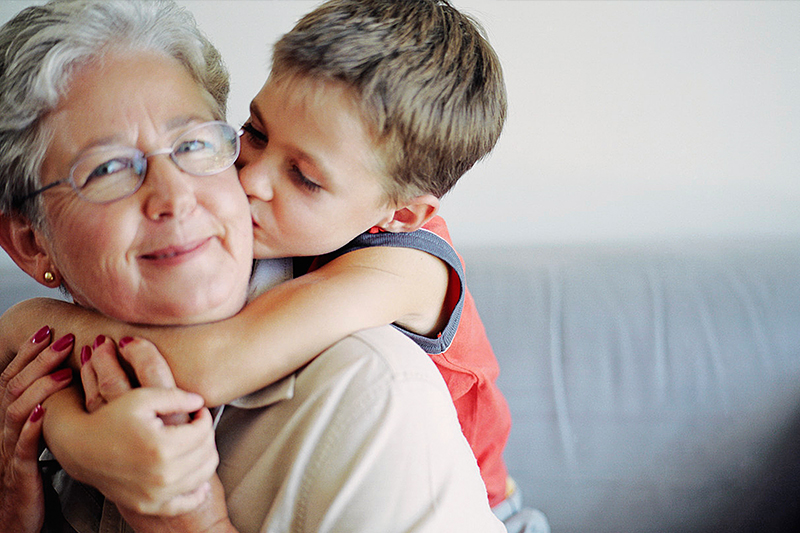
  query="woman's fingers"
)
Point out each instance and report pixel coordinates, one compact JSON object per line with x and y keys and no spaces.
{"x":162,"y":401}
{"x":35,"y":358}
{"x":198,"y":458}
{"x":109,"y":371}
{"x":30,"y":378}
{"x":29,"y":350}
{"x":28,"y":443}
{"x":19,"y":411}
{"x":194,"y":463}
{"x":104,"y":377}
{"x":91,"y":391}
{"x":23,"y":505}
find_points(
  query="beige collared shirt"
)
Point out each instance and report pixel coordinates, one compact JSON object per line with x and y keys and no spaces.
{"x":363,"y":439}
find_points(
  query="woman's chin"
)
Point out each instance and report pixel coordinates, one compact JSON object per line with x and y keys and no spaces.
{"x":187,"y":311}
{"x":176,"y":306}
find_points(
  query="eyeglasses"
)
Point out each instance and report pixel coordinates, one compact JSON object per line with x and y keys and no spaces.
{"x":110,"y":173}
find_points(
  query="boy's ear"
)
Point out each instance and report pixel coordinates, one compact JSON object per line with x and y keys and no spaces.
{"x":412,"y":215}
{"x":24,"y":245}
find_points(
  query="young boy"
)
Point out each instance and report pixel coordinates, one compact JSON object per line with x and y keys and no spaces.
{"x":372,"y":111}
{"x":365,"y":129}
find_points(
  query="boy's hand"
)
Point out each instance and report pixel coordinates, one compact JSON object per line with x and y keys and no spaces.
{"x":126,"y":451}
{"x":162,"y":457}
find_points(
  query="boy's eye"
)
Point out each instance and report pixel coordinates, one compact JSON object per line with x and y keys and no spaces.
{"x":253,"y":135}
{"x":303,"y":181}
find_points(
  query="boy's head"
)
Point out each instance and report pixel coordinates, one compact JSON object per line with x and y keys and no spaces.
{"x":428,"y":85}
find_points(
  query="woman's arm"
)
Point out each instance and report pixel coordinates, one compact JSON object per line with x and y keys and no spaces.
{"x":285,"y":327}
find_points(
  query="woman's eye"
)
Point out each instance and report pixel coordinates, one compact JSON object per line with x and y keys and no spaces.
{"x":112,"y":166}
{"x":303,"y":181}
{"x":253,"y":135}
{"x":195,"y":145}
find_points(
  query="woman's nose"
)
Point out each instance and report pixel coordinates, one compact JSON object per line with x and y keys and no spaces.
{"x":169,"y":191}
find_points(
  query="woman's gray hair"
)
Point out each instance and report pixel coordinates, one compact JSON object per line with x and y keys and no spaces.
{"x":43,"y":45}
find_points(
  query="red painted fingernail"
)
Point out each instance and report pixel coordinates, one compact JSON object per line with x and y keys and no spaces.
{"x":98,"y":341}
{"x":86,"y":354}
{"x":64,"y":342}
{"x":37,"y":414}
{"x":62,"y":375}
{"x":41,"y":335}
{"x":125,"y":340}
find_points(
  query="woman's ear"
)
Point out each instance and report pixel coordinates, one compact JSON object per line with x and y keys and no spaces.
{"x":23,"y":244}
{"x":412,"y":215}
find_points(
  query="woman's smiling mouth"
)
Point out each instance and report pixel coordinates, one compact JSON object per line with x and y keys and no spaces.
{"x":176,"y":254}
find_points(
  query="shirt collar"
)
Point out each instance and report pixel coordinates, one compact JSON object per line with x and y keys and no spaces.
{"x":271,"y":394}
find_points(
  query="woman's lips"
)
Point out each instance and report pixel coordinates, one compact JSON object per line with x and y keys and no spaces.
{"x":176,"y":254}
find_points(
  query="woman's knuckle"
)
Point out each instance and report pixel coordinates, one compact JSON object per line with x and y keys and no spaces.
{"x":16,"y":386}
{"x":15,"y":415}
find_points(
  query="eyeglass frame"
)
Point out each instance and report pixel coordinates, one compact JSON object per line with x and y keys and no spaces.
{"x":144,"y":156}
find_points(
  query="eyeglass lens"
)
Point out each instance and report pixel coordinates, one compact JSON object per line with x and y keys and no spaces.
{"x":112,"y":173}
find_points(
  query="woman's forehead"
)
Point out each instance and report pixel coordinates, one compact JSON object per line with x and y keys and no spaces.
{"x":123,"y":98}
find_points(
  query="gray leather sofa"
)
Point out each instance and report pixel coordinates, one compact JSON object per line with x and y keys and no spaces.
{"x":654,"y":388}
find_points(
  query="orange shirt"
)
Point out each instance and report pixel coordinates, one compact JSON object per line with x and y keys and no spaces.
{"x":463,"y":355}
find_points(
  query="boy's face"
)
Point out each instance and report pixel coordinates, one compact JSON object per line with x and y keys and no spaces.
{"x":309,"y":169}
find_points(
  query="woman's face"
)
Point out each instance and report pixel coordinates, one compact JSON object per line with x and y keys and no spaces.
{"x":179,"y":250}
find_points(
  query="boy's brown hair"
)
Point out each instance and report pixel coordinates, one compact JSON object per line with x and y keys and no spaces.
{"x":428,"y":84}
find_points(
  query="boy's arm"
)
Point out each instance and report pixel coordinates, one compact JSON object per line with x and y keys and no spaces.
{"x":25,"y":317}
{"x":282,"y":329}
{"x":288,"y":325}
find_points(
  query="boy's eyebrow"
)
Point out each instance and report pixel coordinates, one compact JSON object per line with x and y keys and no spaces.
{"x":305,"y":156}
{"x":255,"y":111}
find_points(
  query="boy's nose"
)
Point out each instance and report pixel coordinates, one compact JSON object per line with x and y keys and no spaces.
{"x":255,"y":176}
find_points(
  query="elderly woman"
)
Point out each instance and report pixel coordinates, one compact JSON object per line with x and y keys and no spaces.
{"x":118,"y":186}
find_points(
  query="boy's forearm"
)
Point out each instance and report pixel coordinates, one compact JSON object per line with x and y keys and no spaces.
{"x":64,"y":432}
{"x":287,"y":326}
{"x":198,"y":355}
{"x":26,"y":317}
{"x":274,"y":335}
{"x":220,"y":361}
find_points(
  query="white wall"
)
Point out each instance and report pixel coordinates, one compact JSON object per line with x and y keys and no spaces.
{"x":627,"y":120}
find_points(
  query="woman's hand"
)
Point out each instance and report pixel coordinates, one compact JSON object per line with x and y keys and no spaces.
{"x":29,"y":379}
{"x":107,"y":374}
{"x":105,"y":379}
{"x":163,"y":453}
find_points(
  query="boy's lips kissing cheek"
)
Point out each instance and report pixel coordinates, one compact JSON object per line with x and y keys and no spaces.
{"x":260,"y":234}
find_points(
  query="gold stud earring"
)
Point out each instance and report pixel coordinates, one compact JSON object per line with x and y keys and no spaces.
{"x":49,"y":277}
